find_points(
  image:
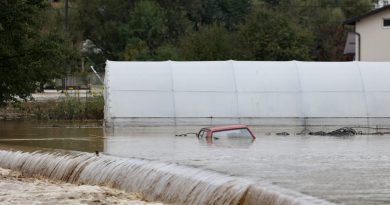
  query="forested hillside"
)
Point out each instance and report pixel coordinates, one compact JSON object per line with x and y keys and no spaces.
{"x":214,"y":29}
{"x":40,"y":41}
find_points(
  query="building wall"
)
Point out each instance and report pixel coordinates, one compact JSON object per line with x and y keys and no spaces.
{"x":375,"y":39}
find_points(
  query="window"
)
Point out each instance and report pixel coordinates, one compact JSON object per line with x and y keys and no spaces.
{"x":237,"y":133}
{"x":386,"y":23}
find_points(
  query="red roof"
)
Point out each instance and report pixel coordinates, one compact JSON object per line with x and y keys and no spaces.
{"x":226,"y":127}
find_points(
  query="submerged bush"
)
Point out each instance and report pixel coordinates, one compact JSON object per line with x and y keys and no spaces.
{"x":68,"y":108}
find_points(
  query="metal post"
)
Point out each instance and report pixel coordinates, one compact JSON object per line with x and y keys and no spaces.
{"x":66,"y":19}
{"x":66,"y":28}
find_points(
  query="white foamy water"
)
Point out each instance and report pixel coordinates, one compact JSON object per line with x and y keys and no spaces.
{"x":168,"y":182}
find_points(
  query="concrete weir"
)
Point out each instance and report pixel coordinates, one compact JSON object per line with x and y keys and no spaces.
{"x":157,"y":181}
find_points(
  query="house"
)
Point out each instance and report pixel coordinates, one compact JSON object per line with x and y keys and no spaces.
{"x":371,"y":38}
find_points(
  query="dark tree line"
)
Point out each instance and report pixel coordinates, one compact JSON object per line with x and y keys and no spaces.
{"x":34,"y":47}
{"x":216,"y":29}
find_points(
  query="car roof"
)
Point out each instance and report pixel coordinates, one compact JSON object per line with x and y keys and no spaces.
{"x":226,"y":127}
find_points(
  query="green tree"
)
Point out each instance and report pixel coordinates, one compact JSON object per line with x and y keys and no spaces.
{"x":146,"y":30}
{"x":104,"y":24}
{"x":269,"y":36}
{"x":177,"y":22}
{"x":225,"y":12}
{"x":209,"y":43}
{"x":167,"y":52}
{"x":29,"y":56}
{"x":353,"y":8}
{"x":323,"y":18}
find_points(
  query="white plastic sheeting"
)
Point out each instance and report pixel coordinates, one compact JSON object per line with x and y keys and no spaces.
{"x":252,"y":92}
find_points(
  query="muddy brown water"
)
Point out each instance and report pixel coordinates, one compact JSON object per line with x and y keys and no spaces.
{"x":86,"y":137}
{"x":343,"y":170}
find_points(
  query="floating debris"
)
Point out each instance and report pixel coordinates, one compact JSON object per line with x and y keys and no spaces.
{"x":320,"y":133}
{"x":186,"y":134}
{"x":283,"y":133}
{"x":345,"y":131}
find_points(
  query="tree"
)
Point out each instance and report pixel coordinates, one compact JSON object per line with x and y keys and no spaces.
{"x":323,"y":18}
{"x":269,"y":36}
{"x":28,"y":55}
{"x":104,"y":24}
{"x":224,"y":12}
{"x":177,"y":21}
{"x":146,"y":30}
{"x":209,"y":43}
{"x":353,"y":8}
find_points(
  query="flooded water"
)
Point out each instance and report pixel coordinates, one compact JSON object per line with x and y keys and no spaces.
{"x":344,"y":170}
{"x":86,"y":137}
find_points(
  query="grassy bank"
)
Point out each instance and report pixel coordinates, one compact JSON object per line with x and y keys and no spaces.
{"x":66,"y":108}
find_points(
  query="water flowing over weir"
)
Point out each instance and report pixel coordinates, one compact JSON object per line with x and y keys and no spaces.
{"x":169,"y":183}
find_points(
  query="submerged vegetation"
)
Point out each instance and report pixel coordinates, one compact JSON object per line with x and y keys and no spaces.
{"x":67,"y":108}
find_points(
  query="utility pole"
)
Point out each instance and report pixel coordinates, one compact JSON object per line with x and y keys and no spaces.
{"x":66,"y":19}
{"x":66,"y":29}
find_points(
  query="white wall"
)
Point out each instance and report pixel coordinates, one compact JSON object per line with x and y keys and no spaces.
{"x":375,"y":39}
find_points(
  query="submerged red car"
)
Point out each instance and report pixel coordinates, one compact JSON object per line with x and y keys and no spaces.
{"x":226,"y":132}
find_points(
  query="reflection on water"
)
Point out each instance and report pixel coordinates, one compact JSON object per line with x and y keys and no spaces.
{"x":350,"y":170}
{"x":86,"y":137}
{"x":228,"y":143}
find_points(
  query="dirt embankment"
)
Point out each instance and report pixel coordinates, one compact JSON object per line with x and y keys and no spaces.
{"x":16,"y":189}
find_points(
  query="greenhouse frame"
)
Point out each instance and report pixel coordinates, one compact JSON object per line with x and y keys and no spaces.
{"x":248,"y":92}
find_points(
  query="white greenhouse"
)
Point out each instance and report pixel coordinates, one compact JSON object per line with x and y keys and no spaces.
{"x":248,"y":92}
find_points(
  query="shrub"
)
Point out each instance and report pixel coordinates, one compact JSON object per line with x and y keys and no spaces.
{"x":68,"y":108}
